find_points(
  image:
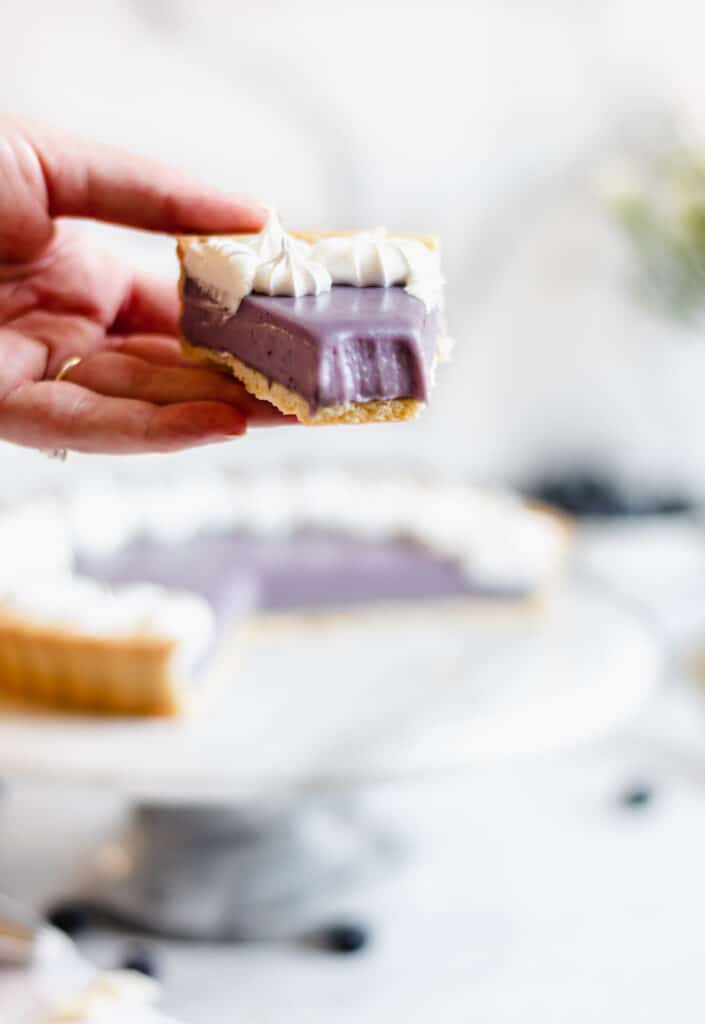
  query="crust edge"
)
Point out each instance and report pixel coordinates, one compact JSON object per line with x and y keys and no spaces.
{"x":392,"y":410}
{"x":48,"y":666}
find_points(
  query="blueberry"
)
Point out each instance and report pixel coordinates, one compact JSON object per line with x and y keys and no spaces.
{"x":581,"y":494}
{"x":591,"y":494}
{"x":671,"y":505}
{"x":141,"y":959}
{"x":636,"y":796}
{"x":69,"y":918}
{"x":345,"y":937}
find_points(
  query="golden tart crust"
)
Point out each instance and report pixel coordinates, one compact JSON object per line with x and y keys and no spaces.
{"x":48,"y":665}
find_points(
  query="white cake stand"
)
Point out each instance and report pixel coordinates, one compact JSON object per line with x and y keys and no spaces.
{"x":246,"y":809}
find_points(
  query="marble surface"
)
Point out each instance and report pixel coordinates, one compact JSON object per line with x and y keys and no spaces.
{"x":531,"y":895}
{"x":530,"y":892}
{"x":371,"y":696}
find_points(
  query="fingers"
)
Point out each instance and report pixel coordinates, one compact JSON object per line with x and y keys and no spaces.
{"x":151,"y":305}
{"x":87,"y":179}
{"x":118,"y":375}
{"x":25,"y":226}
{"x":46,"y":174}
{"x":154,"y":349}
{"x":64,"y":415}
{"x":165,"y":352}
{"x":22,"y":358}
{"x":61,"y":337}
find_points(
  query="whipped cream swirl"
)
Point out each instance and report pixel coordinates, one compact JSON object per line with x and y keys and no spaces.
{"x":79,"y":603}
{"x":291,"y":272}
{"x":273,"y":262}
{"x":224,"y":268}
{"x":269,"y":241}
{"x":373,"y":258}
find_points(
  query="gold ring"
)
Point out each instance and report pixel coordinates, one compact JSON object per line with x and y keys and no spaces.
{"x":68,"y":364}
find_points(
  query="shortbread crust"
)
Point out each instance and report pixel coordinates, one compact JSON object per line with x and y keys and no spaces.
{"x":48,"y":665}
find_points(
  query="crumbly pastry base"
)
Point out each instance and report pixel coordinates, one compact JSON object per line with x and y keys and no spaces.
{"x":130,"y":676}
{"x":59,"y":668}
{"x":292,"y":404}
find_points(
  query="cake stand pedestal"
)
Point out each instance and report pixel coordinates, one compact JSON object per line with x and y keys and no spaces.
{"x":249,"y":817}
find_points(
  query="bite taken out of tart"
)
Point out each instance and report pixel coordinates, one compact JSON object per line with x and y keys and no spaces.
{"x":332,"y":327}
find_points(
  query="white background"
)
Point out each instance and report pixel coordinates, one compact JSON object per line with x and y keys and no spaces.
{"x":486,"y":122}
{"x":533,"y":898}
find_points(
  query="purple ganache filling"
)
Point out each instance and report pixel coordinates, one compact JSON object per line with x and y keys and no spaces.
{"x":242,"y":573}
{"x":239,"y":572}
{"x":345,"y":345}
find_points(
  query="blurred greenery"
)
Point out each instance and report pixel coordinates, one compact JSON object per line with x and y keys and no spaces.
{"x":660,"y":205}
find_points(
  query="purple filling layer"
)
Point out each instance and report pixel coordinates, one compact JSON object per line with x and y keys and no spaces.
{"x":347,"y":345}
{"x":240,"y":572}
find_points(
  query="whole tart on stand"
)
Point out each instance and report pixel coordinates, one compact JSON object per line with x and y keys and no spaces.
{"x":139,"y":600}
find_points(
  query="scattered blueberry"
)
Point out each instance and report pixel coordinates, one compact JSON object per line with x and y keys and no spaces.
{"x":638,"y":795}
{"x":591,"y":494}
{"x":141,"y":959}
{"x":672,"y":505}
{"x":580,"y":494}
{"x":69,"y":918}
{"x":345,"y":937}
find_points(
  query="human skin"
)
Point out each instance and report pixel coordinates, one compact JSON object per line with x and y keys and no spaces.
{"x":61,"y":296}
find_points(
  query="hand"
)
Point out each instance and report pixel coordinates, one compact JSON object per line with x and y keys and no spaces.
{"x":62,"y":297}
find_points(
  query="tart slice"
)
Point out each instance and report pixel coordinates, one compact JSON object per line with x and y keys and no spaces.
{"x":332,"y":328}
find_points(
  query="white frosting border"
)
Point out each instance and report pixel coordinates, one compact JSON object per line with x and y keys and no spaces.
{"x":499,"y":541}
{"x":272,"y":262}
